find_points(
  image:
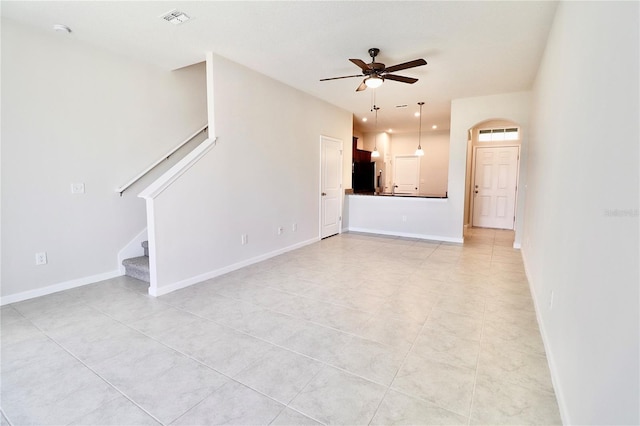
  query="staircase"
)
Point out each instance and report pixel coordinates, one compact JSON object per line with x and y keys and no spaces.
{"x":138,"y":267}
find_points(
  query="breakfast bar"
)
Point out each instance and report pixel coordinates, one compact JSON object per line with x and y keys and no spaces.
{"x":422,"y":216}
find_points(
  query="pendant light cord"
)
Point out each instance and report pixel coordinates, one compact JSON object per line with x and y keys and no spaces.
{"x":419,"y":151}
{"x":420,"y":128}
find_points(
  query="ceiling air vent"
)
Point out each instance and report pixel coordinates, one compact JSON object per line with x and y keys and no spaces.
{"x":175,"y":17}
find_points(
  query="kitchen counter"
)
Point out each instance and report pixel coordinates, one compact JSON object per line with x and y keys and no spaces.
{"x":388,"y":194}
{"x":423,"y":216}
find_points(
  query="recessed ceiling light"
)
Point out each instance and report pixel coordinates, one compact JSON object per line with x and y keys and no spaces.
{"x":390,"y":130}
{"x":416,"y":114}
{"x":176,"y":17}
{"x":364,"y":119}
{"x":61,"y":28}
{"x":434,"y":127}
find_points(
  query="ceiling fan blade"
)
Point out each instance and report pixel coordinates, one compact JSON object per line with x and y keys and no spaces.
{"x":361,"y":64}
{"x":404,"y":66}
{"x":361,"y":87}
{"x":403,"y":79}
{"x":338,"y":78}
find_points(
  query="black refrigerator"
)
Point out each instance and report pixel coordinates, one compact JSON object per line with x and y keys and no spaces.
{"x":364,"y":177}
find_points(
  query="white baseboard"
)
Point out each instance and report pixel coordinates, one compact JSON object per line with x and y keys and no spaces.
{"x":409,"y":235}
{"x":224,"y":270}
{"x":66,"y":285}
{"x":562,"y":406}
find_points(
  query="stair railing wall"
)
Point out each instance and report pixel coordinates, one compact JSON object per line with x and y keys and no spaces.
{"x":165,"y":157}
{"x":156,"y":189}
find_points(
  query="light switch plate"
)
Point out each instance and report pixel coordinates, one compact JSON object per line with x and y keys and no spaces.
{"x":77,"y":188}
{"x":41,"y":258}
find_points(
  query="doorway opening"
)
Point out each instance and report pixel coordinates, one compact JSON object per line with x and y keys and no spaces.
{"x":493,"y":164}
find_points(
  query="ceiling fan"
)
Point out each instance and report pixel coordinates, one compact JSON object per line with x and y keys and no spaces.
{"x":375,"y":72}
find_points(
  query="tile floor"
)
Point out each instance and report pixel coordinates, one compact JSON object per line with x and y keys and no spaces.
{"x":353,"y":330}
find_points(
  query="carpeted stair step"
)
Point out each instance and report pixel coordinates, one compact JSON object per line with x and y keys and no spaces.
{"x":137,"y":267}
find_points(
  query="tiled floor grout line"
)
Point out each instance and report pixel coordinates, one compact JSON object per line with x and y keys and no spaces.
{"x":475,"y":376}
{"x":177,"y":351}
{"x":433,"y":296}
{"x":287,"y":405}
{"x":325,"y":364}
{"x":90,"y":368}
{"x":404,"y":360}
{"x":5,"y":417}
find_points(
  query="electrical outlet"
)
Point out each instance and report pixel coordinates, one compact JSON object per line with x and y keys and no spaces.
{"x":244,"y":239}
{"x":280,"y":230}
{"x":294,"y":227}
{"x":41,"y":258}
{"x":404,"y":218}
{"x":77,"y":188}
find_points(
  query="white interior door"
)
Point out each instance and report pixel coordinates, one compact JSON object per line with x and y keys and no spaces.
{"x":495,"y":180}
{"x":406,"y":174}
{"x":330,"y":186}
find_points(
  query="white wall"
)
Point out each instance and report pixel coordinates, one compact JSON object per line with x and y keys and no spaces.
{"x":583,"y":165}
{"x":381,"y":141}
{"x":74,"y":113}
{"x":413,"y":217}
{"x":264,"y":173}
{"x":434,"y":166}
{"x":467,"y":113}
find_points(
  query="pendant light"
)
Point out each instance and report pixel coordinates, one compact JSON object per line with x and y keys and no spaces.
{"x":375,"y":153}
{"x":419,"y":151}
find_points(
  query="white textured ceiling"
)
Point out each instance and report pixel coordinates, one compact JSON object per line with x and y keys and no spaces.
{"x":472,"y":48}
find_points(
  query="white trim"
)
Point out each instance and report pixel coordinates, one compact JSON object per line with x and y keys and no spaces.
{"x":170,"y":176}
{"x":154,"y":291}
{"x":132,"y":249}
{"x":151,"y":234}
{"x":408,"y":235}
{"x":66,"y":285}
{"x":555,"y":378}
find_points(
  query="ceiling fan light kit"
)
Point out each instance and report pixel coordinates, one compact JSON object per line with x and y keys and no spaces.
{"x":376,"y":73}
{"x":373,"y":82}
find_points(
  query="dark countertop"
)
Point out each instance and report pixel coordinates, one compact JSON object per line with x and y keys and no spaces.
{"x":388,"y":194}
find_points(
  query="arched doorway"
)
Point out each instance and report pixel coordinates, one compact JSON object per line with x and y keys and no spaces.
{"x":493,"y":163}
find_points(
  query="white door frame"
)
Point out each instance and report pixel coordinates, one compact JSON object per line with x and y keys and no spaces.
{"x":341,"y":195}
{"x":473,"y":179}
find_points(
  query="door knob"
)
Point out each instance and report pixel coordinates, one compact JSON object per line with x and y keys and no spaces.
{"x":476,"y":192}
{"x":324,"y":193}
